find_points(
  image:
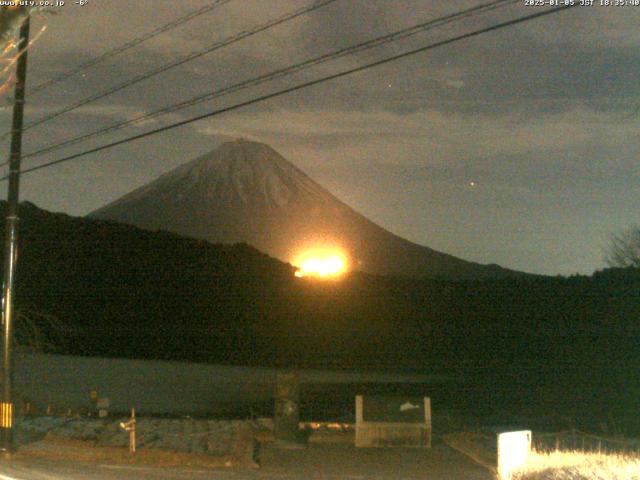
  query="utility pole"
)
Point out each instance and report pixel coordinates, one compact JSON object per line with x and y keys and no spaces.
{"x":10,"y":244}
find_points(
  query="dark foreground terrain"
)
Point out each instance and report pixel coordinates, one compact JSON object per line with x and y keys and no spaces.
{"x":530,"y":346}
{"x":319,"y":461}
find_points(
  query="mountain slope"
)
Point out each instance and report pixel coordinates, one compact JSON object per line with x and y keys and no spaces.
{"x":246,"y":192}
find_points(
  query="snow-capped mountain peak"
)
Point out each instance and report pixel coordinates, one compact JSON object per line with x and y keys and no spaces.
{"x":242,"y":171}
{"x":245,"y":191}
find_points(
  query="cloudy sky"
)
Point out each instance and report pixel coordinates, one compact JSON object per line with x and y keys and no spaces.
{"x":518,"y":147}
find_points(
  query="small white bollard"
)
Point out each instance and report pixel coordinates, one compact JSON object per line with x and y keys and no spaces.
{"x":513,"y":451}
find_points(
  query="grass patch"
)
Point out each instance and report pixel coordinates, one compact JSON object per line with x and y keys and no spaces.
{"x":579,"y":466}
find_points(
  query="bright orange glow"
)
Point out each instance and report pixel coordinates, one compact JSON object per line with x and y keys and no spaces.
{"x":321,"y":263}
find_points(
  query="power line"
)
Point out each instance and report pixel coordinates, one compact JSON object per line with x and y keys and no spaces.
{"x":376,"y":42}
{"x":303,"y":85}
{"x":168,"y":66}
{"x":129,"y":45}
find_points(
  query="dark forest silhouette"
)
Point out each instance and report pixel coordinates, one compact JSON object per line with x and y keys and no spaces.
{"x":548,"y":343}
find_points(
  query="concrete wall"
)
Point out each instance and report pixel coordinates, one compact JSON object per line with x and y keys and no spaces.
{"x":398,"y":422}
{"x":159,"y":387}
{"x":152,"y":387}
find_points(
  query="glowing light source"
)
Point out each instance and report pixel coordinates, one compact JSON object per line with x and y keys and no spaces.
{"x":514,"y":449}
{"x":321,"y":263}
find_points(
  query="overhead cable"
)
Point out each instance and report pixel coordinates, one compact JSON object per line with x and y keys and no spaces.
{"x":127,"y":46}
{"x":168,"y":66}
{"x":282,"y":72}
{"x":303,"y":85}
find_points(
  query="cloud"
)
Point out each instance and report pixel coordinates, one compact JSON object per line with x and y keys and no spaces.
{"x":226,"y":133}
{"x":538,"y":114}
{"x":454,"y":83}
{"x":439,"y":136}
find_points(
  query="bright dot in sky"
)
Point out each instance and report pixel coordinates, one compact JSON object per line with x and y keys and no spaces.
{"x":472,"y":184}
{"x":321,"y":263}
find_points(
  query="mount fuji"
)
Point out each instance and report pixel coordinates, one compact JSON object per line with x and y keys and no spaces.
{"x":247,"y":192}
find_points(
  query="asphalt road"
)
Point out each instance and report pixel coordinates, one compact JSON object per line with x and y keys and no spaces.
{"x":318,"y":461}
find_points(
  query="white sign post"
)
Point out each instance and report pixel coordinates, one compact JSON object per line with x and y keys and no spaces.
{"x":513,"y":451}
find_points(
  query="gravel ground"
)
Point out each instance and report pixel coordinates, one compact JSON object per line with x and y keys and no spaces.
{"x":319,"y":461}
{"x":56,"y":448}
{"x":340,"y":461}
